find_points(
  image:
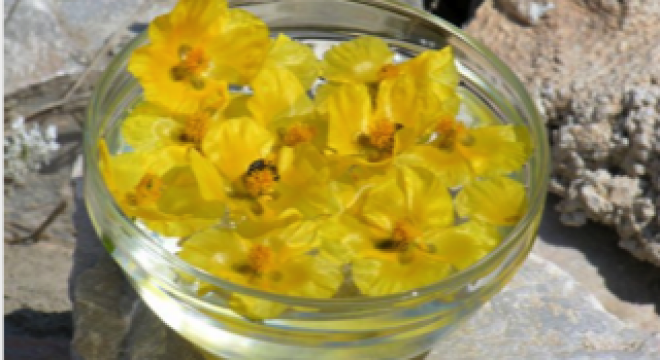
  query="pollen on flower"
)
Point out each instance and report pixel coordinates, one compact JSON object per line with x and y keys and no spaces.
{"x":389,"y":71}
{"x":193,"y":63}
{"x":260,"y":179}
{"x":195,"y":128}
{"x":260,"y":258}
{"x":381,"y":135}
{"x":149,"y":188}
{"x":403,"y":234}
{"x":298,"y":134}
{"x":450,"y":132}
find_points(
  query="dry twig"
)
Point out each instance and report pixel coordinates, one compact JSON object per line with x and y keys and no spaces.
{"x":36,"y":234}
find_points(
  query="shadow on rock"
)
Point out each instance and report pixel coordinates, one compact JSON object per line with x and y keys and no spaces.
{"x":28,"y":322}
{"x":36,"y":335}
{"x":629,"y":279}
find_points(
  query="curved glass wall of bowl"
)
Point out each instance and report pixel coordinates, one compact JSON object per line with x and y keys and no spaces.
{"x":387,"y":327}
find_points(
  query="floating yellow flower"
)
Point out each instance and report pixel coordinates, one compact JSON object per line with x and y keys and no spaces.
{"x":276,"y":262}
{"x":498,"y":201}
{"x":401,"y":116}
{"x":187,"y":60}
{"x":278,"y":96}
{"x":359,"y":61}
{"x":160,"y":189}
{"x":369,"y":60}
{"x":401,"y":236}
{"x":429,"y":66}
{"x":281,"y":104}
{"x":295,"y":57}
{"x":458,"y":153}
{"x":241,"y":150}
{"x":150,"y":126}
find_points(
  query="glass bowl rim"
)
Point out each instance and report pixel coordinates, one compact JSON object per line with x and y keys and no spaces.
{"x":536,"y":198}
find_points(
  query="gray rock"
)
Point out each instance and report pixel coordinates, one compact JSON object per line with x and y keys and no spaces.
{"x":110,"y":320}
{"x":591,"y":66}
{"x":545,"y":314}
{"x":542,"y":313}
{"x":48,"y":44}
{"x":526,"y":11}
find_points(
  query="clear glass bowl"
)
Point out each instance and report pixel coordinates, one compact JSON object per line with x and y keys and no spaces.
{"x":388,"y":327}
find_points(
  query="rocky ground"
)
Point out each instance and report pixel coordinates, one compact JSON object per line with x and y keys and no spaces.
{"x":66,"y":45}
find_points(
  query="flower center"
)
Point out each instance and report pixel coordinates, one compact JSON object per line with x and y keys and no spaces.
{"x":403,"y":235}
{"x":381,"y":138}
{"x":195,"y":128}
{"x":147,"y":191}
{"x":192,"y":66}
{"x":297,"y":134}
{"x":260,"y":258}
{"x":450,"y":133}
{"x":389,"y":71}
{"x":260,"y":179}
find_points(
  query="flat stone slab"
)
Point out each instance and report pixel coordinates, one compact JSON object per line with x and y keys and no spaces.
{"x":543,"y":313}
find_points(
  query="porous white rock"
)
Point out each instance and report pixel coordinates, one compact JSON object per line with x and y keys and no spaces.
{"x":592,"y":68}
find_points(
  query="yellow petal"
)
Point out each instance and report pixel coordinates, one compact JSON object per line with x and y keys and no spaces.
{"x":323,"y":93}
{"x":304,"y":182}
{"x":310,"y":276}
{"x":427,"y":199}
{"x":397,"y":101}
{"x":241,"y":47}
{"x":150,"y":127}
{"x":218,"y":252}
{"x":181,"y":227}
{"x":499,"y":201}
{"x":277,"y":94}
{"x":436,"y":65}
{"x":375,"y":277}
{"x":211,"y":184}
{"x":127,"y":169}
{"x":349,"y":113}
{"x":296,"y":57}
{"x":181,"y":196}
{"x":383,"y":204}
{"x":359,"y":60}
{"x":343,"y":238}
{"x":461,"y":246}
{"x":450,"y":167}
{"x":234,"y":144}
{"x":237,"y":106}
{"x":105,"y":160}
{"x":256,"y":308}
{"x":436,"y":102}
{"x":493,"y":150}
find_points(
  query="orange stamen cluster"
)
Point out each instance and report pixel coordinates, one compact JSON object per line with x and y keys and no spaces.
{"x":297,"y":134}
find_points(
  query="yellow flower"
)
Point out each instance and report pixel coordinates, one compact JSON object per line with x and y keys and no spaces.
{"x":277,"y":94}
{"x":369,"y":60}
{"x":358,"y":61}
{"x":241,"y":150}
{"x":187,"y":60}
{"x":255,"y":172}
{"x":401,"y":116}
{"x":159,"y":189}
{"x":149,"y":126}
{"x":431,"y":65}
{"x":399,"y":236}
{"x":458,"y":153}
{"x":498,"y":201}
{"x":277,"y":262}
{"x":281,"y":104}
{"x":295,"y":57}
